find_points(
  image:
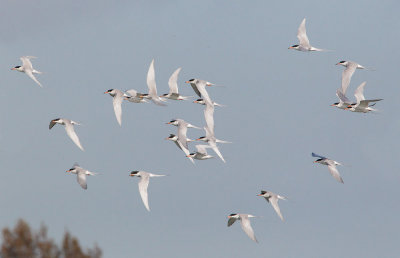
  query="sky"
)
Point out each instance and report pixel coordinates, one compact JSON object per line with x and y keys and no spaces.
{"x":277,"y":112}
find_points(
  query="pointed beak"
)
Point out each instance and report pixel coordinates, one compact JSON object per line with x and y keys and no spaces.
{"x":105,"y":92}
{"x":188,"y":156}
{"x":290,"y":47}
{"x":259,"y":194}
{"x":67,"y":171}
{"x":195,"y":101}
{"x":332,"y":105}
{"x":13,"y":68}
{"x":315,"y":161}
{"x":337,"y":63}
{"x":168,"y":123}
{"x":198,"y":139}
{"x":187,"y":81}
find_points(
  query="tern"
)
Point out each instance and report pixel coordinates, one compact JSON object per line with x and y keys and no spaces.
{"x":244,"y":222}
{"x":151,"y":84}
{"x":173,"y":88}
{"x":80,"y":174}
{"x":177,"y":122}
{"x":304,"y":43}
{"x":344,"y":102}
{"x":118,"y":97}
{"x":348,"y":73}
{"x":27,"y":68}
{"x":331,"y":166}
{"x":362,"y":104}
{"x":201,"y":153}
{"x":134,"y":96}
{"x":203,"y":102}
{"x":143,"y":185}
{"x":273,"y":198}
{"x":199,"y":86}
{"x":69,"y":128}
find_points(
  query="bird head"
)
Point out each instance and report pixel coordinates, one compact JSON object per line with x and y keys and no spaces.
{"x":134,"y":173}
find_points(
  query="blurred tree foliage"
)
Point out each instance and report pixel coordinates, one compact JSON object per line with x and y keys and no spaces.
{"x":21,"y":242}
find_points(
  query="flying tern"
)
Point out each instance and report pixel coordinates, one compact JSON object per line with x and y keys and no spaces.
{"x":304,"y":43}
{"x":348,"y":73}
{"x":244,"y":222}
{"x":362,"y":104}
{"x":201,"y":153}
{"x":134,"y":96}
{"x":143,"y":185}
{"x":118,"y":97}
{"x":174,"y":138}
{"x":173,"y":87}
{"x":81,"y":174}
{"x":273,"y":198}
{"x":69,"y":128}
{"x":27,"y":68}
{"x":331,"y":166}
{"x":203,"y":102}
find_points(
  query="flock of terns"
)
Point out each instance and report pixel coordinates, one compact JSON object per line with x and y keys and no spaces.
{"x":180,"y":139}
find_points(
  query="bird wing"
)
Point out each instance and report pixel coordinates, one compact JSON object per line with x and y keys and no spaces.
{"x":26,"y":63}
{"x":334,"y":172}
{"x":214,"y":146}
{"x":347,"y":74}
{"x":143,"y":184}
{"x":52,"y":123}
{"x":182,"y":131}
{"x":194,"y":86}
{"x":132,"y":92}
{"x":69,"y":128}
{"x":359,"y":92}
{"x":81,"y":178}
{"x":302,"y":34}
{"x":365,"y":103}
{"x":30,"y":74}
{"x":202,"y":149}
{"x":274,"y":202}
{"x":117,"y":102}
{"x":173,"y":81}
{"x":185,"y":150}
{"x":342,"y":97}
{"x":231,"y":221}
{"x":209,"y":116}
{"x":151,"y":80}
{"x":246,"y":226}
{"x":201,"y":87}
{"x":318,"y":156}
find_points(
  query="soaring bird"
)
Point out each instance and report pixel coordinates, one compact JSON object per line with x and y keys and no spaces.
{"x":244,"y":222}
{"x":69,"y":128}
{"x":144,"y":184}
{"x":81,"y":174}
{"x":27,"y":68}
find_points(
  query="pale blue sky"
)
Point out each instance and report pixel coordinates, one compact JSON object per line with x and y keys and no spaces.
{"x":277,"y":114}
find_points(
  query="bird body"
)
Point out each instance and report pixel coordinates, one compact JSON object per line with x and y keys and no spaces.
{"x":81,"y":174}
{"x":144,"y":184}
{"x":304,"y":43}
{"x":273,"y":199}
{"x":69,"y":128}
{"x":27,"y":68}
{"x":244,"y":222}
{"x":331,"y":166}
